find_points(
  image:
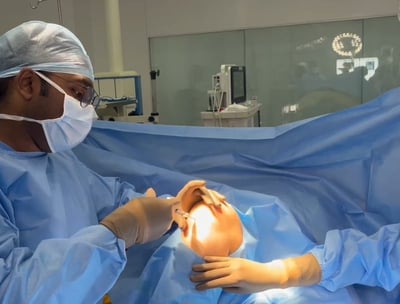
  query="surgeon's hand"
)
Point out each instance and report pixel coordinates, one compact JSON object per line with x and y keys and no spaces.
{"x":196,"y":191}
{"x":141,"y":220}
{"x":192,"y":193}
{"x":244,"y":276}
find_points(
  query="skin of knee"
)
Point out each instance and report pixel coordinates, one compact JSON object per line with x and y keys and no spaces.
{"x":212,"y":230}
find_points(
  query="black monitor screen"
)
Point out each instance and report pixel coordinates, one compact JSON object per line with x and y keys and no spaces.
{"x":238,"y":84}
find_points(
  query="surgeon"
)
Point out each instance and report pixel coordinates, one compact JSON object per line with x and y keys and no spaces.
{"x":64,"y":230}
{"x":347,"y":257}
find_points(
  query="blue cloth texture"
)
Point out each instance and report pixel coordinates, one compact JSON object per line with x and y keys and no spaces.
{"x":52,"y":249}
{"x":320,"y":185}
{"x":329,"y":181}
{"x":43,"y":46}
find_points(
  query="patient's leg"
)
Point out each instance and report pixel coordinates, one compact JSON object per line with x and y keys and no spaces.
{"x":212,"y":230}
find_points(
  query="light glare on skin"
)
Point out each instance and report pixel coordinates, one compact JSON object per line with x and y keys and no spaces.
{"x":212,"y":230}
{"x":206,"y":220}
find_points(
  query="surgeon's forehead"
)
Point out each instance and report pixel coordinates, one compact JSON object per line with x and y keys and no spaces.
{"x":77,"y":78}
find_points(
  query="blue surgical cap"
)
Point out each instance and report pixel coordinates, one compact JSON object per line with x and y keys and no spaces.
{"x":45,"y":47}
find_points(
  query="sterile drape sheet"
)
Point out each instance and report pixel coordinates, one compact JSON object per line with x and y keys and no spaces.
{"x":290,"y":184}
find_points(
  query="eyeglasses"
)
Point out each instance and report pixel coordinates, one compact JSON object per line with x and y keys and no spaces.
{"x":86,"y":95}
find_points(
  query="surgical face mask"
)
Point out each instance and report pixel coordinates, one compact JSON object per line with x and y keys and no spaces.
{"x":68,"y":130}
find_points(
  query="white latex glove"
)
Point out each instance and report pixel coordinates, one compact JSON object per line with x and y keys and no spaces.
{"x":142,"y":219}
{"x":193,"y":192}
{"x":239,"y":275}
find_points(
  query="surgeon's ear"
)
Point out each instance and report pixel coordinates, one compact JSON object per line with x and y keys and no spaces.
{"x":27,"y":83}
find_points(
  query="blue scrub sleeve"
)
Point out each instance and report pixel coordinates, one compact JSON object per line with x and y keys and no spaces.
{"x":80,"y":269}
{"x":351,"y":257}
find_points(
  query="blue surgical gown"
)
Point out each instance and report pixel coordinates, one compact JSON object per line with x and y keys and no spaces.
{"x":336,"y":174}
{"x":351,"y":257}
{"x":52,"y":249}
{"x":325,"y":185}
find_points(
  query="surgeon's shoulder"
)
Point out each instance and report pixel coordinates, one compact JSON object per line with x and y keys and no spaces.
{"x":68,"y":157}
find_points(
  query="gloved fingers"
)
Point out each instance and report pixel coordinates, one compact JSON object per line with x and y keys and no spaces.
{"x":219,"y":272}
{"x":155,"y":216}
{"x":191,"y":186}
{"x":150,"y":193}
{"x":142,"y":219}
{"x":180,"y":217}
{"x":196,"y":183}
{"x":157,"y":203}
{"x":212,"y":197}
{"x":211,"y":258}
{"x":220,"y":280}
{"x":212,"y":262}
{"x":173,"y":204}
{"x":210,"y":274}
{"x":218,"y":195}
{"x":190,"y":194}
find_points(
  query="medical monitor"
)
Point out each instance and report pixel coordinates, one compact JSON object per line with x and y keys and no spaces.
{"x":238,"y":84}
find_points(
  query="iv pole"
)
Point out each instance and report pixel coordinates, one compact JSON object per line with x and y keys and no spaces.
{"x":59,"y":9}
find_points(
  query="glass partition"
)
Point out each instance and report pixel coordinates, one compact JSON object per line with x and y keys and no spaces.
{"x":186,"y":64}
{"x":295,"y":72}
{"x":381,"y":37}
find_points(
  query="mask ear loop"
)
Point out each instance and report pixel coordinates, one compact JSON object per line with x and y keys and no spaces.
{"x":51,"y":82}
